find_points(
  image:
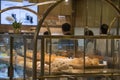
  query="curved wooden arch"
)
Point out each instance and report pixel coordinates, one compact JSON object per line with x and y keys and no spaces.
{"x":113,"y":5}
{"x":115,"y":18}
{"x":48,"y":10}
{"x":20,"y":7}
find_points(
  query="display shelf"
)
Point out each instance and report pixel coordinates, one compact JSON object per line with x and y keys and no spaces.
{"x":93,"y":72}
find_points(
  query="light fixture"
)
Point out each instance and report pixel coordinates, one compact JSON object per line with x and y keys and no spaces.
{"x":41,"y":3}
{"x":47,"y":2}
{"x":66,"y":0}
{"x":16,"y":0}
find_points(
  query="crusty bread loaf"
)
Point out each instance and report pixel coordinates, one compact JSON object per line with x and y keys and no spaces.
{"x":28,"y":64}
{"x":80,"y":62}
{"x":29,"y":54}
{"x":53,"y":57}
{"x":95,"y":61}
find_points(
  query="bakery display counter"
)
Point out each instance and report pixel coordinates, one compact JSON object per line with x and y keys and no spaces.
{"x":56,"y":59}
{"x":63,"y":66}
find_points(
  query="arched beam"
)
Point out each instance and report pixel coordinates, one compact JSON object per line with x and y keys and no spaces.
{"x":114,"y":6}
{"x":18,"y":7}
{"x":34,"y":76}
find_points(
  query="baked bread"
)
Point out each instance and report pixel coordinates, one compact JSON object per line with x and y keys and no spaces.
{"x":29,"y":54}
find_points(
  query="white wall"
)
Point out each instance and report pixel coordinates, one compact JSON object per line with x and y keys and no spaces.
{"x":80,"y":31}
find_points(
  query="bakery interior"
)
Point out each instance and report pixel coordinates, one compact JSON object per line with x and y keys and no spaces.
{"x":27,"y":54}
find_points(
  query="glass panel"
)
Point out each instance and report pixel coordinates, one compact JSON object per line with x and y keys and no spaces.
{"x":18,"y":59}
{"x":93,"y":56}
{"x":4,"y":56}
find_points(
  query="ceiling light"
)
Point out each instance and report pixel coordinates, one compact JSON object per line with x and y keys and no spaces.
{"x":42,"y":3}
{"x":47,"y":2}
{"x":66,"y":0}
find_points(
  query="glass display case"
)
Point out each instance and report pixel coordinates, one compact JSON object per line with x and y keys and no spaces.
{"x":5,"y":57}
{"x":14,"y":64}
{"x":94,"y":55}
{"x":75,"y":58}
